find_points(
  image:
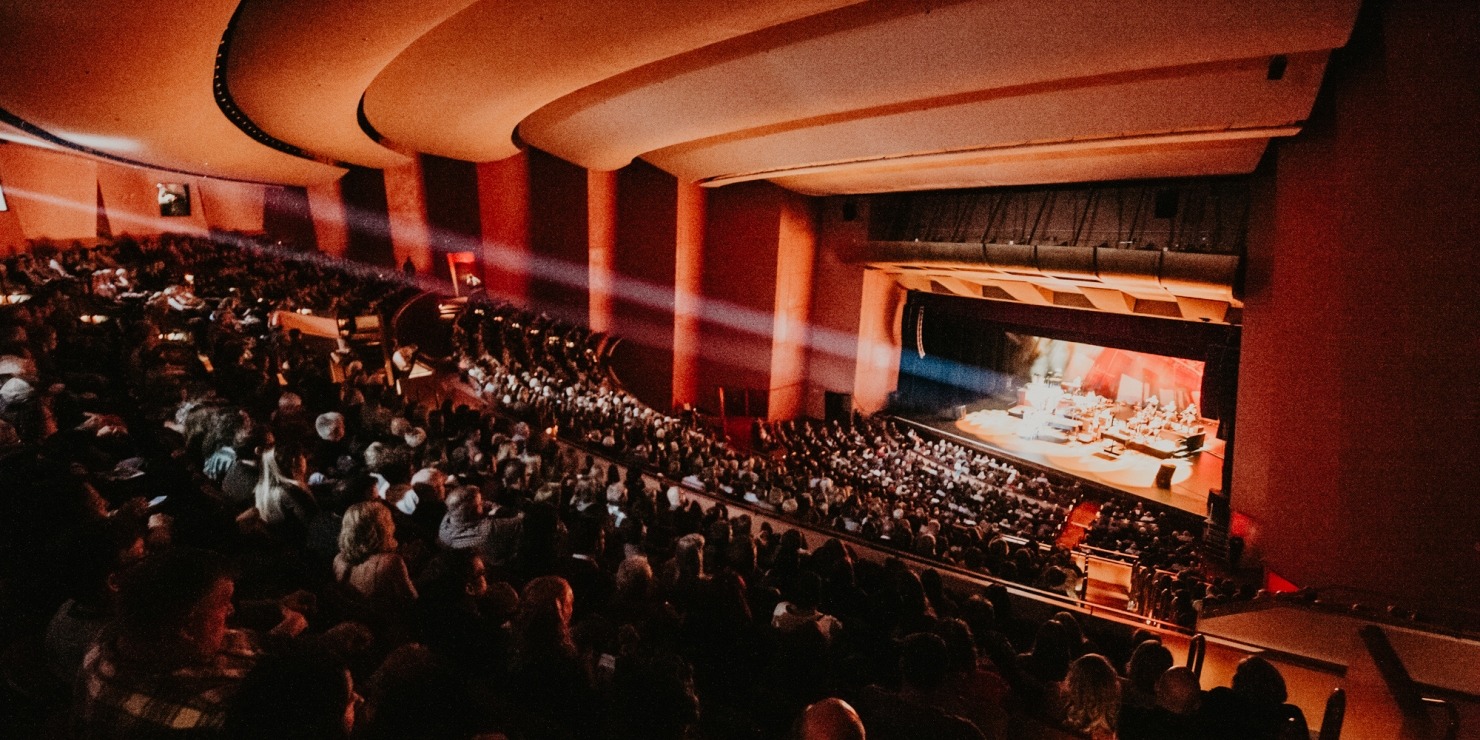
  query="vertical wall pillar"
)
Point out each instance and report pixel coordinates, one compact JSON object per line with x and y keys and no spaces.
{"x":450,"y":188}
{"x":742,"y":223}
{"x":601,"y":223}
{"x":330,"y":225}
{"x":503,"y":216}
{"x":642,"y":270}
{"x":368,"y":230}
{"x":688,"y":291}
{"x":406,"y":206}
{"x":796,"y":250}
{"x":877,"y":365}
{"x":559,"y":257}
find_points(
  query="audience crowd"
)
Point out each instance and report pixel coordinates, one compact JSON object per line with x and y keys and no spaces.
{"x":873,"y":479}
{"x":213,"y":527}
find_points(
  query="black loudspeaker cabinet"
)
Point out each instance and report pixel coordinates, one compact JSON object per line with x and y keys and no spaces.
{"x":1164,"y":475}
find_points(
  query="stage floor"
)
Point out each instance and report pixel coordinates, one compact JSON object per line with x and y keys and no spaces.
{"x":994,"y":431}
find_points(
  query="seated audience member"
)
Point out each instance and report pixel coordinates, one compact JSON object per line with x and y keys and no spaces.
{"x":239,"y":487}
{"x":1092,"y":697}
{"x":301,"y":695}
{"x":503,"y":550}
{"x":1041,"y":670}
{"x":330,"y":444}
{"x":283,"y":502}
{"x":367,"y":559}
{"x":1255,"y":706}
{"x":802,"y":608}
{"x":464,"y":527}
{"x":652,"y":698}
{"x":415,"y":695}
{"x":96,"y":554}
{"x":974,"y":693}
{"x":1138,"y":691}
{"x":908,"y":713}
{"x":1176,"y":714}
{"x":168,"y":664}
{"x":582,"y":569}
{"x":830,"y":719}
{"x":550,"y":682}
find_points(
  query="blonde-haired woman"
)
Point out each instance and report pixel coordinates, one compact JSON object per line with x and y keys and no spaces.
{"x":367,"y":559}
{"x":283,"y":503}
{"x":1092,"y":697}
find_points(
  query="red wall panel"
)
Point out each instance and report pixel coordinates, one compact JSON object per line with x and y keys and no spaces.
{"x":53,"y":195}
{"x":238,"y":206}
{"x":330,"y":225}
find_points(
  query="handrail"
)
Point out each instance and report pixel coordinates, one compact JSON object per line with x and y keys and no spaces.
{"x":1197,"y":651}
{"x":1346,"y":597}
{"x":1335,"y":715}
{"x":1451,"y":713}
{"x":1402,"y":687}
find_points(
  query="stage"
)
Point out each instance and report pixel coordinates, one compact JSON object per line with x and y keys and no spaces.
{"x":995,"y":431}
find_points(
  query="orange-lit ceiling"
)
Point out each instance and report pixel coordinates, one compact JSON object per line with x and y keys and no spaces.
{"x":821,"y":96}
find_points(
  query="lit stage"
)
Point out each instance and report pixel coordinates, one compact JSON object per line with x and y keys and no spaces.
{"x":996,"y":431}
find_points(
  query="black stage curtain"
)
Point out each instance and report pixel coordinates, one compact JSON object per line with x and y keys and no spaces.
{"x":956,"y":350}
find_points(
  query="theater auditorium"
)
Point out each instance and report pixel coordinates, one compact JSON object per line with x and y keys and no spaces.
{"x":778,"y":369}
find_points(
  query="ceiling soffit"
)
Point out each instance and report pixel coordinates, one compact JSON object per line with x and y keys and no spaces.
{"x":133,"y":81}
{"x":462,"y":89}
{"x":298,"y":68}
{"x":890,"y":80}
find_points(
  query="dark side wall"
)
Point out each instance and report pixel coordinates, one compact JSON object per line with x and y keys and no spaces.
{"x":1357,"y":408}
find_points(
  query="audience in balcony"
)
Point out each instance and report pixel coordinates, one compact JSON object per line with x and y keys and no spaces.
{"x":266,"y":526}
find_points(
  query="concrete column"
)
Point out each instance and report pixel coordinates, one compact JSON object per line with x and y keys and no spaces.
{"x":877,"y":366}
{"x":601,"y":224}
{"x":503,"y":217}
{"x":688,"y":291}
{"x":796,"y":252}
{"x":406,"y":206}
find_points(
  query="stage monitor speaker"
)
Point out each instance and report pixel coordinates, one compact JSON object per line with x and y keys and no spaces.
{"x":1164,"y":475}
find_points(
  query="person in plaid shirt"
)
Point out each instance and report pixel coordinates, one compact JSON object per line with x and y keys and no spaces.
{"x":168,"y":665}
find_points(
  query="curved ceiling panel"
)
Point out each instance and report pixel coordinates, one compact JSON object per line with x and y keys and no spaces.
{"x":133,"y":79}
{"x":1036,"y":165}
{"x":298,"y":68}
{"x":1204,"y":98}
{"x":888,"y":56}
{"x":461,"y":89}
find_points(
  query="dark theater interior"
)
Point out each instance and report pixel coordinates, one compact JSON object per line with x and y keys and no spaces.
{"x":797,"y":369}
